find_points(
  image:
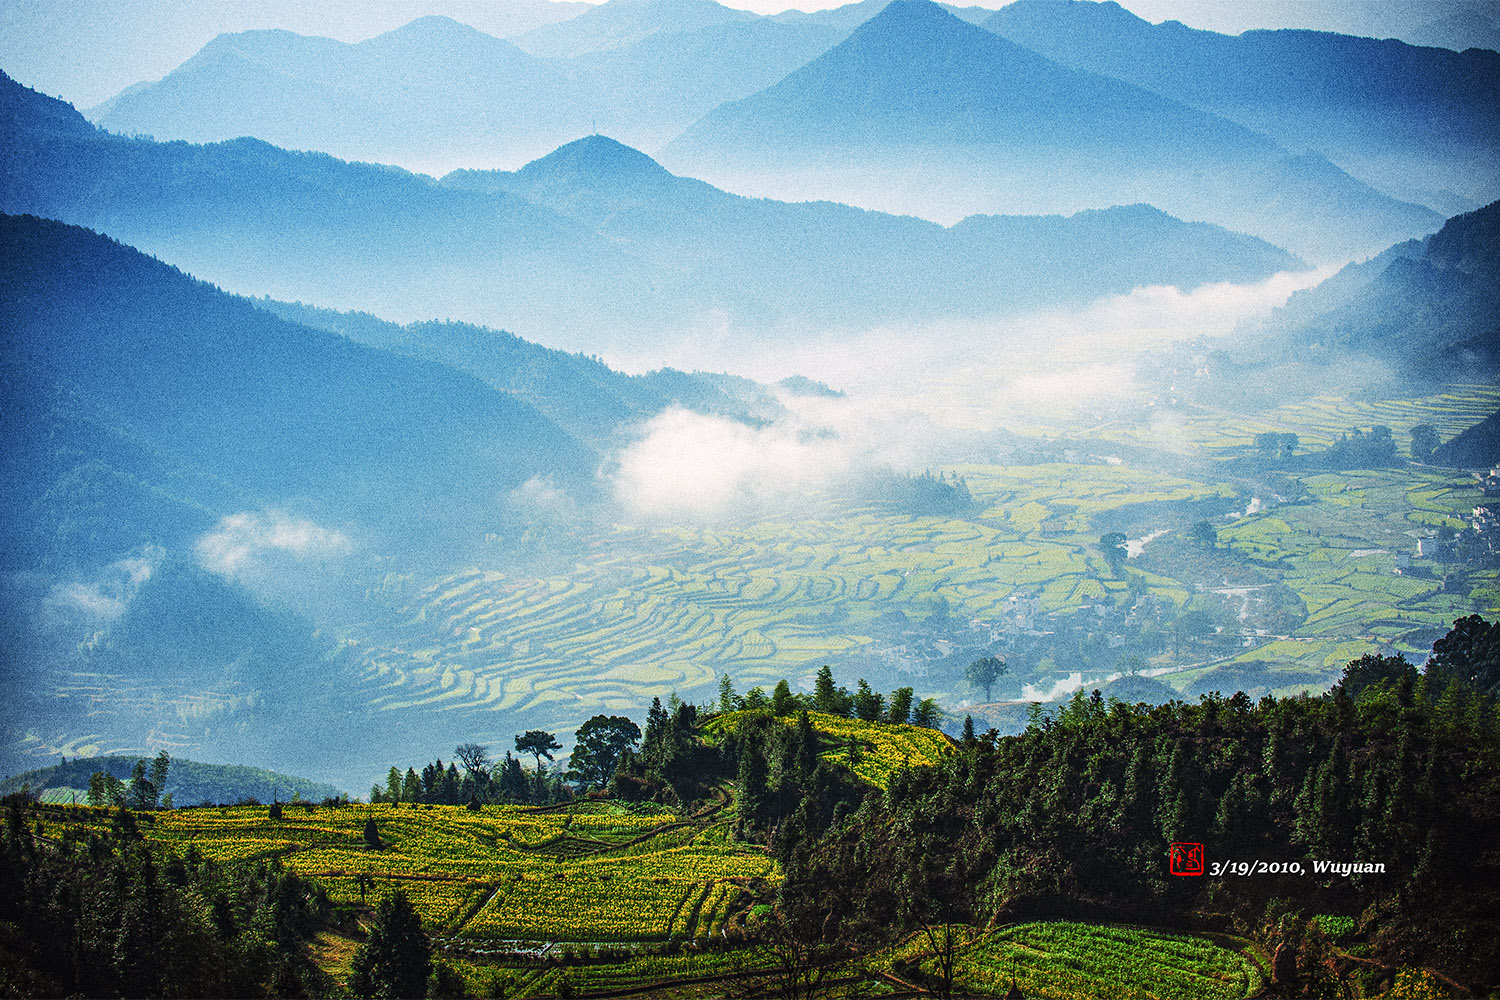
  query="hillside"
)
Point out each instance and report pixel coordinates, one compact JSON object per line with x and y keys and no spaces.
{"x":920,"y":111}
{"x":594,"y":246}
{"x":1475,"y":448}
{"x":188,"y":782}
{"x":1420,"y":123}
{"x":872,"y":750}
{"x":193,"y":482}
{"x":587,"y":398}
{"x":1430,"y":309}
{"x":977,"y":874}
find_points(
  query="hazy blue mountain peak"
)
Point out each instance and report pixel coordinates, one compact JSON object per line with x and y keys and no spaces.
{"x":595,"y":159}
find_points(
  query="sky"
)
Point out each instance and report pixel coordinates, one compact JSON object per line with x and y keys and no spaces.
{"x":86,"y":51}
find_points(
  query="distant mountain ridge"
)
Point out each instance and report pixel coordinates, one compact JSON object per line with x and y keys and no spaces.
{"x":1431,"y":306}
{"x":434,"y":81}
{"x":435,"y":93}
{"x":836,"y":266}
{"x":920,"y":111}
{"x":188,"y":782}
{"x":593,"y":247}
{"x":1414,"y":121}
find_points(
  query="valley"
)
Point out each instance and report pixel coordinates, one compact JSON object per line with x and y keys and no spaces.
{"x":898,"y":499}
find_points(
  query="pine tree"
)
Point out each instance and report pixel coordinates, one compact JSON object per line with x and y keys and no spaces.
{"x":396,"y":958}
{"x":825,"y":694}
{"x":782,"y":701}
{"x":900,"y":710}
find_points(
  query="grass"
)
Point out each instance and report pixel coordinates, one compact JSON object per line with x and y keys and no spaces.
{"x":879,"y":749}
{"x":1062,"y":960}
{"x":501,"y":873}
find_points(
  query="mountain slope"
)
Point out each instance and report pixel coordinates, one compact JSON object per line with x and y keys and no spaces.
{"x":277,"y":413}
{"x":592,"y":247}
{"x":421,"y":94}
{"x":1409,"y":119}
{"x":921,"y":111}
{"x":836,"y":266}
{"x":1420,"y":315}
{"x":188,"y":781}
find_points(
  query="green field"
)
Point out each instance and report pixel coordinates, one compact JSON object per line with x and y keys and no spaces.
{"x":643,"y":612}
{"x":1060,"y":960}
{"x":605,"y":896}
{"x":590,"y":872}
{"x":879,"y":749}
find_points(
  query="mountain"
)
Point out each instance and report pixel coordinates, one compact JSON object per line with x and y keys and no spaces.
{"x":920,"y":111}
{"x":188,"y":782}
{"x":594,"y":246}
{"x":1476,"y":448}
{"x":835,"y":267}
{"x":619,"y":23}
{"x":427,"y":93}
{"x":1420,"y":315}
{"x":436,"y":94}
{"x":1417,"y":122}
{"x":247,"y":411}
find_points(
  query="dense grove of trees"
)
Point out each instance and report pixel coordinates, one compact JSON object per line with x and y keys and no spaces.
{"x":1395,"y":771}
{"x":826,"y":696}
{"x":1073,"y":817}
{"x":106,"y":915}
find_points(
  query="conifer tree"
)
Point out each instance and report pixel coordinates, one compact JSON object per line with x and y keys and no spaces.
{"x":396,"y":959}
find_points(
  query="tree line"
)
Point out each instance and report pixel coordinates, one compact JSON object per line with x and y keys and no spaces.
{"x":106,"y":914}
{"x":1393,"y":766}
{"x":666,"y":761}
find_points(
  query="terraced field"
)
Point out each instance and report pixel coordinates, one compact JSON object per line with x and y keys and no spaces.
{"x":1060,"y":960}
{"x":646,"y":612}
{"x":878,"y":749}
{"x":592,"y":872}
{"x":1317,"y":422}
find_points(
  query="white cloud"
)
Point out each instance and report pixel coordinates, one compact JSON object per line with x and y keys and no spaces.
{"x":110,"y":593}
{"x":917,"y":396}
{"x":247,"y":543}
{"x":689,"y":463}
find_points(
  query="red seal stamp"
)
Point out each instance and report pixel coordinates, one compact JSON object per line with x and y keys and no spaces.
{"x":1186,"y":859}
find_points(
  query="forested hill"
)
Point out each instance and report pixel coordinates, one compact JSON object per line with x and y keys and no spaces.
{"x":188,"y":781}
{"x":1395,"y":772}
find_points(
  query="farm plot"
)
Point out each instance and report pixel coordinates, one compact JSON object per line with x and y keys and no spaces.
{"x":645,"y":612}
{"x":1069,"y":961}
{"x":596,"y":873}
{"x":878,"y":749}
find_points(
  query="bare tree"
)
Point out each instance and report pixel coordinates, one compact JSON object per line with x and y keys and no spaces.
{"x":475,"y":758}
